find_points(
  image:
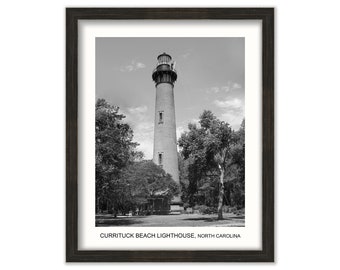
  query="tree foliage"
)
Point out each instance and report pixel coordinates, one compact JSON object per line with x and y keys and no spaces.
{"x":115,"y":150}
{"x":147,"y":180}
{"x":213,"y":155}
{"x":123,"y":180}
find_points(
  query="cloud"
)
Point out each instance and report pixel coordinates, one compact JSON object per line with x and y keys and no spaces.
{"x":132,"y":66}
{"x":142,"y":128}
{"x":214,"y":90}
{"x":140,"y":65}
{"x":232,"y":111}
{"x":195,"y":121}
{"x":138,"y":110}
{"x":230,"y":86}
{"x":143,"y":134}
{"x":236,"y":86}
{"x":128,"y":68}
{"x":233,"y":118}
{"x":179,"y":131}
{"x":234,"y":103}
{"x":185,"y":55}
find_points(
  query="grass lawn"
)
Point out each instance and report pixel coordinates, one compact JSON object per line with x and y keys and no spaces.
{"x":183,"y":220}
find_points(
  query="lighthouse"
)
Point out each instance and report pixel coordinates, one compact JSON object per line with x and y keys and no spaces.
{"x":165,"y":142}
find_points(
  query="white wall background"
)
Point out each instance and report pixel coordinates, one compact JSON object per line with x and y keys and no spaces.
{"x":32,"y":143}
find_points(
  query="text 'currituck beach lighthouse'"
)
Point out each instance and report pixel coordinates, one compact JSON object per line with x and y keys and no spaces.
{"x":165,"y":142}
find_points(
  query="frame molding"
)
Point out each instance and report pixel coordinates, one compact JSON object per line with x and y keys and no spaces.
{"x":266,"y":15}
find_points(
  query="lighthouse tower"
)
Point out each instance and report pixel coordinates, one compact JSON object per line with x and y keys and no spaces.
{"x":165,"y":142}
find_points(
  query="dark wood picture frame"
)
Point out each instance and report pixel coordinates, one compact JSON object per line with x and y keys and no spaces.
{"x":266,"y":15}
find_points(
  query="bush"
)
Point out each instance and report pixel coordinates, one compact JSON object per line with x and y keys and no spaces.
{"x":205,"y":210}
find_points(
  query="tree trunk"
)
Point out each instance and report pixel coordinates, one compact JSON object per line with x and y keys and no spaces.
{"x":97,"y":205}
{"x":153,"y":206}
{"x":220,"y":195}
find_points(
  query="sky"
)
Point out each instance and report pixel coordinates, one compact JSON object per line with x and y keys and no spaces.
{"x":210,"y":77}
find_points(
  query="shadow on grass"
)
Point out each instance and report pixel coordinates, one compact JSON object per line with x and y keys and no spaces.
{"x":238,"y":217}
{"x":110,"y":221}
{"x":213,"y":219}
{"x":118,"y":217}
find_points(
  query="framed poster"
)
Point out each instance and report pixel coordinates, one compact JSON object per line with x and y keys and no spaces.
{"x":170,"y":134}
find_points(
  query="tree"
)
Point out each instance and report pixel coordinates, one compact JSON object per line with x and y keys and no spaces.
{"x":237,"y":196}
{"x":114,"y":151}
{"x":211,"y":147}
{"x":183,"y":180}
{"x":146,"y":181}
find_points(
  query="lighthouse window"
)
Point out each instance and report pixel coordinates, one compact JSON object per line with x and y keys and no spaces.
{"x":160,"y":121}
{"x":160,"y":159}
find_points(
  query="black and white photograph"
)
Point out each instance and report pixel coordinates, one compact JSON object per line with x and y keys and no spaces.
{"x":170,"y":132}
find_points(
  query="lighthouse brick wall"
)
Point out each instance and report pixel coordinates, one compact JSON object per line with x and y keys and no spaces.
{"x":165,"y":142}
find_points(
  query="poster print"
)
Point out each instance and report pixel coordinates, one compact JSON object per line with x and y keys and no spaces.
{"x":170,"y":132}
{"x":170,"y":146}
